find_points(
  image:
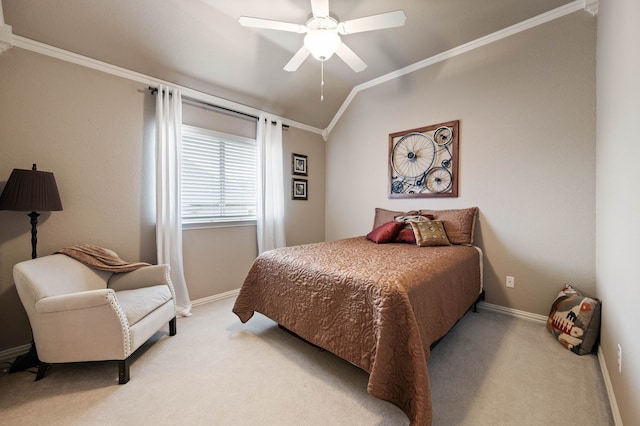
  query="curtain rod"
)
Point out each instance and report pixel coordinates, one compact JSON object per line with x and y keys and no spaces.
{"x":154,"y":90}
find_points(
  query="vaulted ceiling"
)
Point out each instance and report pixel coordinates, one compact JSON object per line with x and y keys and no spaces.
{"x":200,"y":44}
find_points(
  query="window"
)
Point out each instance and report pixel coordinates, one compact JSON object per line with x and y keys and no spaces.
{"x":218,"y":177}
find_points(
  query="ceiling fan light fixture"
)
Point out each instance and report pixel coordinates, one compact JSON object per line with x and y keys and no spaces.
{"x":322,"y":43}
{"x":323,"y":33}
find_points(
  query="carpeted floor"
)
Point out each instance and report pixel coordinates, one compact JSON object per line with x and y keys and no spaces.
{"x":492,"y":369}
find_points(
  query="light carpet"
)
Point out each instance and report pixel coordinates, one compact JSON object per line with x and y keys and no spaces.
{"x":492,"y":369}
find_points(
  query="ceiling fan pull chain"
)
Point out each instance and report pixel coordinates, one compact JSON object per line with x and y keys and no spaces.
{"x":321,"y":81}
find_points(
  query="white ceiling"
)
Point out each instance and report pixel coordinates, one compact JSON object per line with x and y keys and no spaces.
{"x":200,"y":44}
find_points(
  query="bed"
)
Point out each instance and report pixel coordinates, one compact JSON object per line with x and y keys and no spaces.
{"x":378,"y":306}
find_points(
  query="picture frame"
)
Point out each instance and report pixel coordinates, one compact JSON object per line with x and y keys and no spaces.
{"x":423,"y":162}
{"x":299,"y":164}
{"x":299,"y":189}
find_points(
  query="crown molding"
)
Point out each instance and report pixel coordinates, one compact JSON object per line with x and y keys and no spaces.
{"x":84,"y":61}
{"x":464,"y":48}
{"x":5,"y":33}
{"x":592,"y":6}
{"x":6,"y":38}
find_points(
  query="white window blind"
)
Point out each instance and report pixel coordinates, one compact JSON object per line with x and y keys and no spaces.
{"x":218,"y":177}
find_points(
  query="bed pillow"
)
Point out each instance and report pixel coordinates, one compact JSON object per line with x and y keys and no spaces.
{"x":575,"y":320}
{"x":430,"y":233}
{"x":383,"y":216}
{"x":385,"y":233}
{"x":458,"y":223}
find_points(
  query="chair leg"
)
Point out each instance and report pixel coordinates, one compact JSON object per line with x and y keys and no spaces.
{"x":123,"y":371}
{"x":172,"y":327}
{"x":42,"y":368}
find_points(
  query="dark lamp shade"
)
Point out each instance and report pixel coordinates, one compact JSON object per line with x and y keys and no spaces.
{"x":30,"y":191}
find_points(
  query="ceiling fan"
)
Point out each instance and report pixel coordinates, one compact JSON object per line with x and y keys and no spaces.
{"x":323,"y":33}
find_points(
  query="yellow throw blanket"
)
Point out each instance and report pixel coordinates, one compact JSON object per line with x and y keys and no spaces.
{"x":100,"y":258}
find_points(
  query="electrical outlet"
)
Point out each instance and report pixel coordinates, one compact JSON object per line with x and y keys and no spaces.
{"x":511,"y":282}
{"x":619,"y":358}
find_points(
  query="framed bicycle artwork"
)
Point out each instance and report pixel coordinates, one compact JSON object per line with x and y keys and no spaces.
{"x":424,"y":162}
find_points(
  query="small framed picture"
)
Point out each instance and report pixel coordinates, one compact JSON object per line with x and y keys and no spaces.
{"x":299,"y":164}
{"x":298,"y":189}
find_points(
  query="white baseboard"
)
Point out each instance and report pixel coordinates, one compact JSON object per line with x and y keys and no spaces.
{"x":9,"y":355}
{"x":617,"y":419}
{"x":513,"y":312}
{"x":215,"y":297}
{"x":543,"y":319}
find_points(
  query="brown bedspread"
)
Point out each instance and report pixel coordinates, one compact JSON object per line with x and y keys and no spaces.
{"x":378,"y":306}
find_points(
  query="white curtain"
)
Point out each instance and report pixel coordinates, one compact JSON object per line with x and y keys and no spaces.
{"x":168,"y":216}
{"x":270,"y":214}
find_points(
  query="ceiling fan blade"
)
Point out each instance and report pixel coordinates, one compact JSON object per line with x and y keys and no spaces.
{"x":350,"y":58}
{"x":320,"y":8}
{"x":374,"y":22}
{"x":247,"y":21}
{"x":297,"y":59}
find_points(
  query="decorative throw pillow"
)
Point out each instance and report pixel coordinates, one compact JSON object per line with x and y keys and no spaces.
{"x":430,"y":233}
{"x":383,"y":216}
{"x":406,"y":234}
{"x":575,"y":320}
{"x":409,"y":217}
{"x":459,"y":223}
{"x":385,"y":233}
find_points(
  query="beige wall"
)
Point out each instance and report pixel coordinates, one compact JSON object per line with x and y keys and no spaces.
{"x":526,"y":106}
{"x":88,"y":128}
{"x":216,"y":260}
{"x":305,"y":218}
{"x":95,"y":131}
{"x":618,"y":200}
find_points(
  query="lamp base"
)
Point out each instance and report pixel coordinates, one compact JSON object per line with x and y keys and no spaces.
{"x":24,"y":361}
